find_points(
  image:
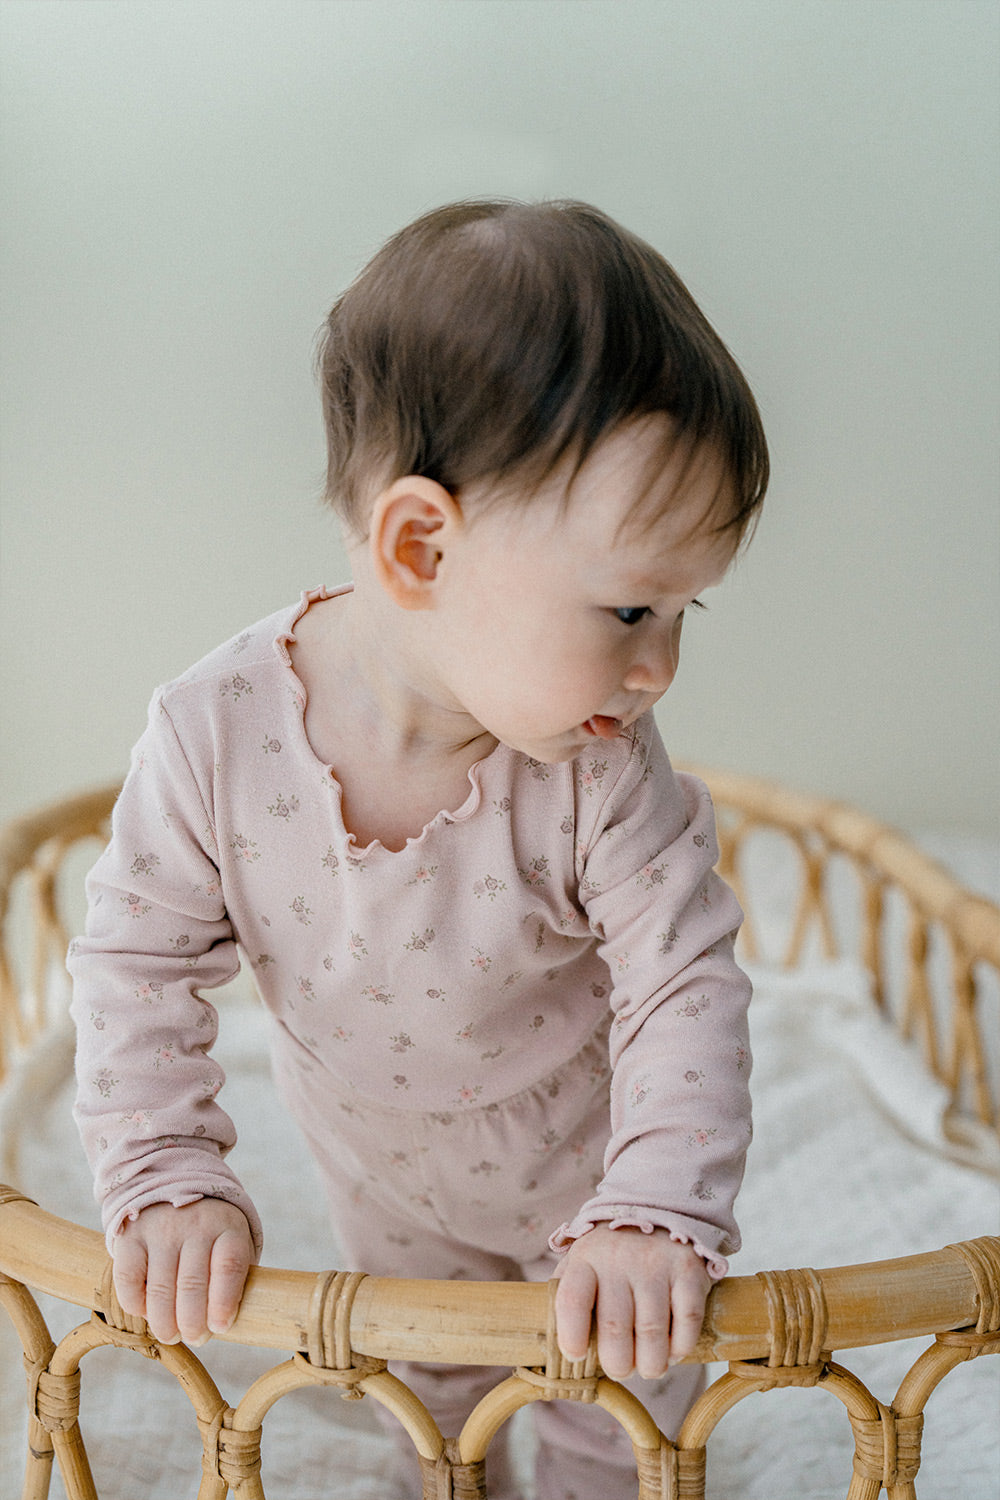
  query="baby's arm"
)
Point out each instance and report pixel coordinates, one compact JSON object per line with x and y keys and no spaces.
{"x":184,"y":1269}
{"x":649,"y":1294}
{"x":158,"y":935}
{"x":644,"y":1251}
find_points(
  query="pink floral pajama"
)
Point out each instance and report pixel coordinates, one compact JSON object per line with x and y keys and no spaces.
{"x":526,"y":1022}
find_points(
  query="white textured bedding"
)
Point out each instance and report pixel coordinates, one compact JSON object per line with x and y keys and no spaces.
{"x":830,"y":1081}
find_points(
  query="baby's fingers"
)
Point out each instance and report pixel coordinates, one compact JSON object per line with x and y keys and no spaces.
{"x":652,"y":1332}
{"x":687,"y":1312}
{"x":130,"y":1276}
{"x":575,"y":1296}
{"x":228,"y":1273}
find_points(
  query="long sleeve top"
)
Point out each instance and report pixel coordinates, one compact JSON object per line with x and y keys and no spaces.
{"x":445,"y":976}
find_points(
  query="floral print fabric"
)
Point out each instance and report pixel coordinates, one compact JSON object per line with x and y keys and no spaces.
{"x":557,"y":904}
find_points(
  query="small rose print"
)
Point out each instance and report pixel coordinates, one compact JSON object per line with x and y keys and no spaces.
{"x":401,"y":1081}
{"x":135,"y":906}
{"x":503,"y":806}
{"x":512,"y":979}
{"x":377,"y":995}
{"x":701,"y":1137}
{"x":621,"y":962}
{"x":425,"y":874}
{"x":436,"y":995}
{"x":591,"y":778}
{"x":420,"y":942}
{"x":237,"y":685}
{"x":147,"y":993}
{"x":272,"y":746}
{"x":305,"y":987}
{"x":283,"y":807}
{"x":303,"y":913}
{"x":164,"y":1056}
{"x":548,"y":1139}
{"x":210,"y":1087}
{"x":263,"y":959}
{"x":538,"y":769}
{"x":144,"y":864}
{"x":401,"y":1042}
{"x":179,"y":943}
{"x":244,"y":848}
{"x":536,"y":873}
{"x":356,"y":946}
{"x":489,"y":886}
{"x":639,"y":1092}
{"x":484,"y":1168}
{"x":702,"y":1191}
{"x":694,"y":1076}
{"x":490,"y":1056}
{"x":694,"y":1008}
{"x":567,"y":825}
{"x":97,"y":1020}
{"x":536,"y":1023}
{"x":742,"y":1058}
{"x":468,"y":1093}
{"x":341,"y":1034}
{"x":466,"y":1033}
{"x":330,"y":861}
{"x":141,"y":1119}
{"x":700,"y":840}
{"x":481,"y":961}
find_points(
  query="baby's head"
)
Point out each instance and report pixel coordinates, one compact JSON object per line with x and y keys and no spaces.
{"x":496,"y":341}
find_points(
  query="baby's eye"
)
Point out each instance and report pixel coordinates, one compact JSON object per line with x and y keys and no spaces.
{"x":632,"y":616}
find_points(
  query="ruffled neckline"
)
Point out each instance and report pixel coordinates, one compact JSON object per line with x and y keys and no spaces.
{"x":283,"y":641}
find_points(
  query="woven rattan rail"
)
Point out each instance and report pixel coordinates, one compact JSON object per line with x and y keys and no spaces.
{"x":773,"y":1330}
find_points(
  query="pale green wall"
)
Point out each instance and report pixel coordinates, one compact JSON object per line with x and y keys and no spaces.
{"x":188,"y":185}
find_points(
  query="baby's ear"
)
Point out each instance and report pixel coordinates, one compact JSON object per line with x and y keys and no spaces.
{"x":411,"y":525}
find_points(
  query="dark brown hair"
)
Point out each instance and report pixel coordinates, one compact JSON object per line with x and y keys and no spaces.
{"x":495,"y":339}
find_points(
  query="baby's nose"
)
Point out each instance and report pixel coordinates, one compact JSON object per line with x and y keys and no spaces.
{"x":653,"y":672}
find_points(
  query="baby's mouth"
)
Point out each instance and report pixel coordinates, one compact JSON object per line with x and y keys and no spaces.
{"x":603,"y":727}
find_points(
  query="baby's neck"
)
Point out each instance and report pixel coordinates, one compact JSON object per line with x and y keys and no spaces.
{"x":399,"y":757}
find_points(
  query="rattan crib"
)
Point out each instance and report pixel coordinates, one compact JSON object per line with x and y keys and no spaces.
{"x":773,"y":1330}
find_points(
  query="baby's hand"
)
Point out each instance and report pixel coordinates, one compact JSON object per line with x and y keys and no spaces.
{"x":649,"y":1292}
{"x":184,"y":1269}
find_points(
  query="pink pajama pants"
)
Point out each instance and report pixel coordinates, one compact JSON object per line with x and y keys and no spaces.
{"x":473,"y":1193}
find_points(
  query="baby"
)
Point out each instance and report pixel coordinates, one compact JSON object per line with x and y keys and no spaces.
{"x":432,"y":810}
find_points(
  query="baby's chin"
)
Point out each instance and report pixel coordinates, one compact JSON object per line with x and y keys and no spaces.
{"x":575,"y":742}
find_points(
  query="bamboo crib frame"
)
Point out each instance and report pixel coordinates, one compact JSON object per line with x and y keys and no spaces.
{"x":775,"y":1329}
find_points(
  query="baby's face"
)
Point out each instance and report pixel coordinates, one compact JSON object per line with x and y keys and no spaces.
{"x":560,"y":625}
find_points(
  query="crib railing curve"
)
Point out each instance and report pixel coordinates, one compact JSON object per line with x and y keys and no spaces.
{"x":508,"y":1323}
{"x":774,"y":1329}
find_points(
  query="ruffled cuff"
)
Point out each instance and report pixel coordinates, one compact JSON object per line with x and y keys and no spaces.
{"x":682,"y":1230}
{"x":124,"y":1207}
